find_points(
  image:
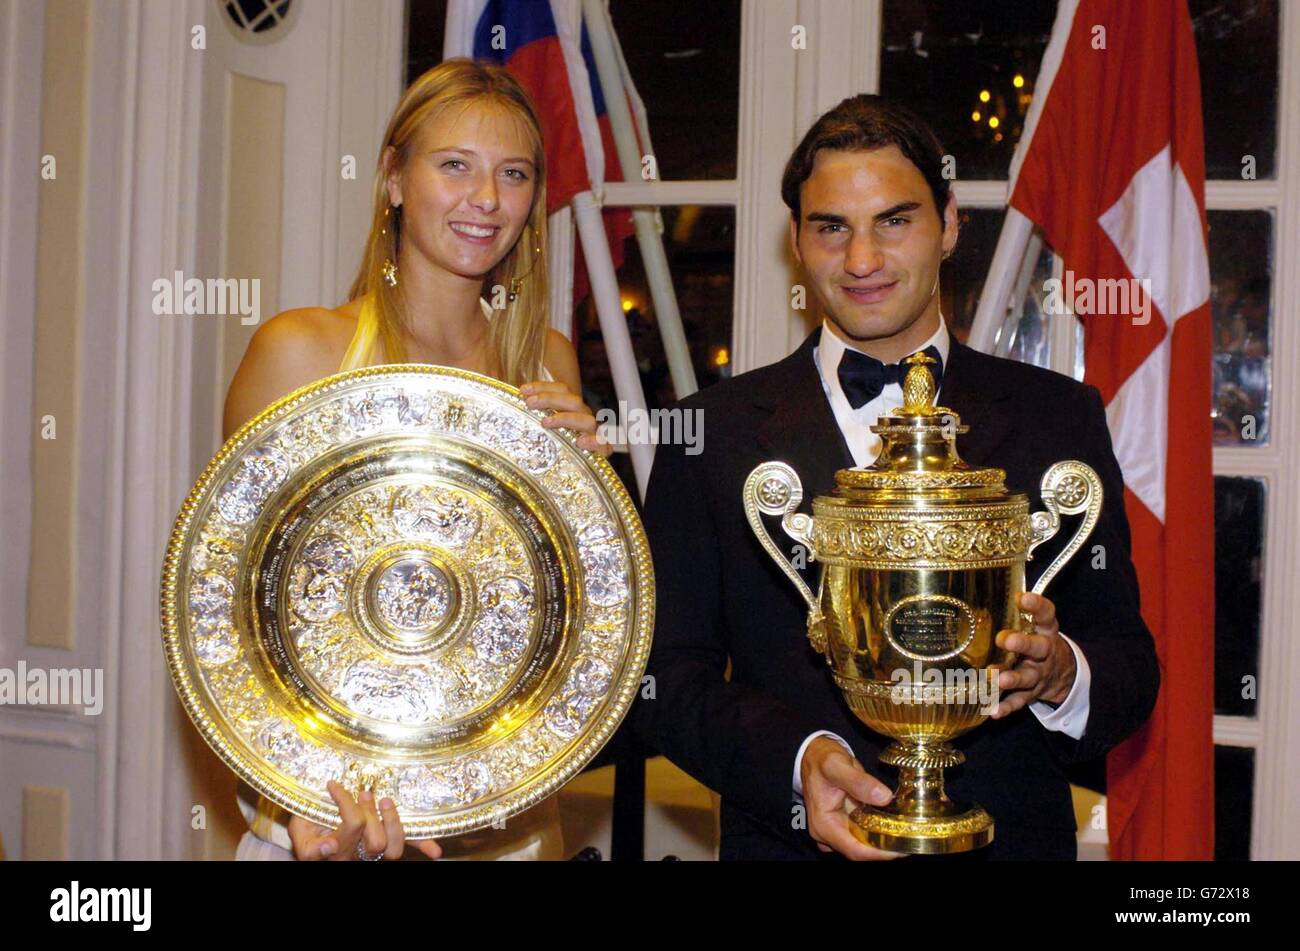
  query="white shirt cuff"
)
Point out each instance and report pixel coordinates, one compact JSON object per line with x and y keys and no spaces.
{"x":1071,"y":717}
{"x":797,"y":782}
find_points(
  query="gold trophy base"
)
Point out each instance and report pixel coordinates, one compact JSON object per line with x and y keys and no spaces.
{"x":968,"y":828}
{"x":921,"y":819}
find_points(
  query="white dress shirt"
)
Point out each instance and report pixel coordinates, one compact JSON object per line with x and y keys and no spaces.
{"x":1071,"y":717}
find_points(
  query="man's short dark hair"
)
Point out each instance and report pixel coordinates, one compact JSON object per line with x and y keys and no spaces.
{"x":860,"y":124}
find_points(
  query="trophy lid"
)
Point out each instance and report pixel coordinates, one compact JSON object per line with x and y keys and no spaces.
{"x":918,"y":450}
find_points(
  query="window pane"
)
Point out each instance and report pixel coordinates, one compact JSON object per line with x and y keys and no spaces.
{"x":1234,"y":786}
{"x":699,"y":242}
{"x":1025,"y":333}
{"x":957,"y":63}
{"x":1238,"y":567}
{"x":685,"y":62}
{"x":1241,"y":284}
{"x":426,"y":24}
{"x":962,"y":275}
{"x":1237,"y":45}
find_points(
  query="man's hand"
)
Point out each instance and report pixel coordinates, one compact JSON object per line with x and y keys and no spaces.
{"x":1045,"y":666}
{"x":831,"y":776}
{"x":360,"y":823}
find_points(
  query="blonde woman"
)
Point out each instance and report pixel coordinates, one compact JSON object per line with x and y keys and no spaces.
{"x":453,"y":273}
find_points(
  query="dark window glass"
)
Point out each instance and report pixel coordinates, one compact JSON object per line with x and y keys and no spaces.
{"x":1237,"y":46}
{"x":1234,"y":786}
{"x":1241,"y":293}
{"x":1025,"y":333}
{"x":684,"y":59}
{"x":1238,"y":567}
{"x":699,"y":242}
{"x":258,"y":15}
{"x":426,"y":24}
{"x":968,"y":68}
{"x":962,"y":275}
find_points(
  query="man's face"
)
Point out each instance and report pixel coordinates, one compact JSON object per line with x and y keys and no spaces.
{"x":870,"y":241}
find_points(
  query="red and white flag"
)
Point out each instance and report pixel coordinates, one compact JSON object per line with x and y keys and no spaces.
{"x":1112,"y":168}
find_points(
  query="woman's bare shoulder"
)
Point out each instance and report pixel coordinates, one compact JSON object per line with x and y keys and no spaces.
{"x":309,"y":331}
{"x":292,"y":349}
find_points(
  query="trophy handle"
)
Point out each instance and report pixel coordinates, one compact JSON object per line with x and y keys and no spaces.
{"x":1068,"y":487}
{"x":773,"y":488}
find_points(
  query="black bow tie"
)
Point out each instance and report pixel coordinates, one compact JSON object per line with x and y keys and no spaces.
{"x":863,"y":378}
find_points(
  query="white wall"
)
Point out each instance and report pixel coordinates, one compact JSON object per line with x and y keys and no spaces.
{"x":159,"y":172}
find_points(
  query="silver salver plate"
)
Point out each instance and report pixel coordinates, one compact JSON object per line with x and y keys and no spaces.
{"x":397,"y":578}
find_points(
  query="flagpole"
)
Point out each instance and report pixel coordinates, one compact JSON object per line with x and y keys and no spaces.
{"x":1007,"y":261}
{"x":560,"y":261}
{"x":613,"y":327}
{"x":1016,"y":302}
{"x":648,"y":223}
{"x":458,"y":29}
{"x":1013,"y":241}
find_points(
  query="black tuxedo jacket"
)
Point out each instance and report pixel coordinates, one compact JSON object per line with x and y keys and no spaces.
{"x":721,"y":598}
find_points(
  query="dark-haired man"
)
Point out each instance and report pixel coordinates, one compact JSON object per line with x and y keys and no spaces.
{"x":871,"y":219}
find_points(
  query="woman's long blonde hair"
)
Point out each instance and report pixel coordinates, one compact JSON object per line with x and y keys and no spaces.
{"x":517,"y":334}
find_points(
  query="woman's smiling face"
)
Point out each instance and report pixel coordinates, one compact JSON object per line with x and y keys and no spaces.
{"x":467,"y":188}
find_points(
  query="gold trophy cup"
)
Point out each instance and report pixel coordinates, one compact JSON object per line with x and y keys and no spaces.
{"x":923,"y":564}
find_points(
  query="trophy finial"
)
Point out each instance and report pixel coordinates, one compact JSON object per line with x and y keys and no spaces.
{"x":918,"y":385}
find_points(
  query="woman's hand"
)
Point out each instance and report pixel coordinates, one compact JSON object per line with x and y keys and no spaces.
{"x":360,"y":824}
{"x":568,"y":411}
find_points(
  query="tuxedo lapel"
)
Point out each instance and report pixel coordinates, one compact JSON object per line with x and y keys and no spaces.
{"x":801,"y":430}
{"x":975,"y":390}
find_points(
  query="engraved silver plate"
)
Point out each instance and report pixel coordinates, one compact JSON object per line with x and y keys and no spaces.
{"x":397,"y":577}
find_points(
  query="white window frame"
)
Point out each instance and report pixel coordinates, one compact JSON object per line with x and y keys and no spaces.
{"x":1274,"y":734}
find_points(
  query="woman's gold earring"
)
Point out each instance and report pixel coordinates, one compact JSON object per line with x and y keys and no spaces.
{"x":389,"y":269}
{"x":515,"y":285}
